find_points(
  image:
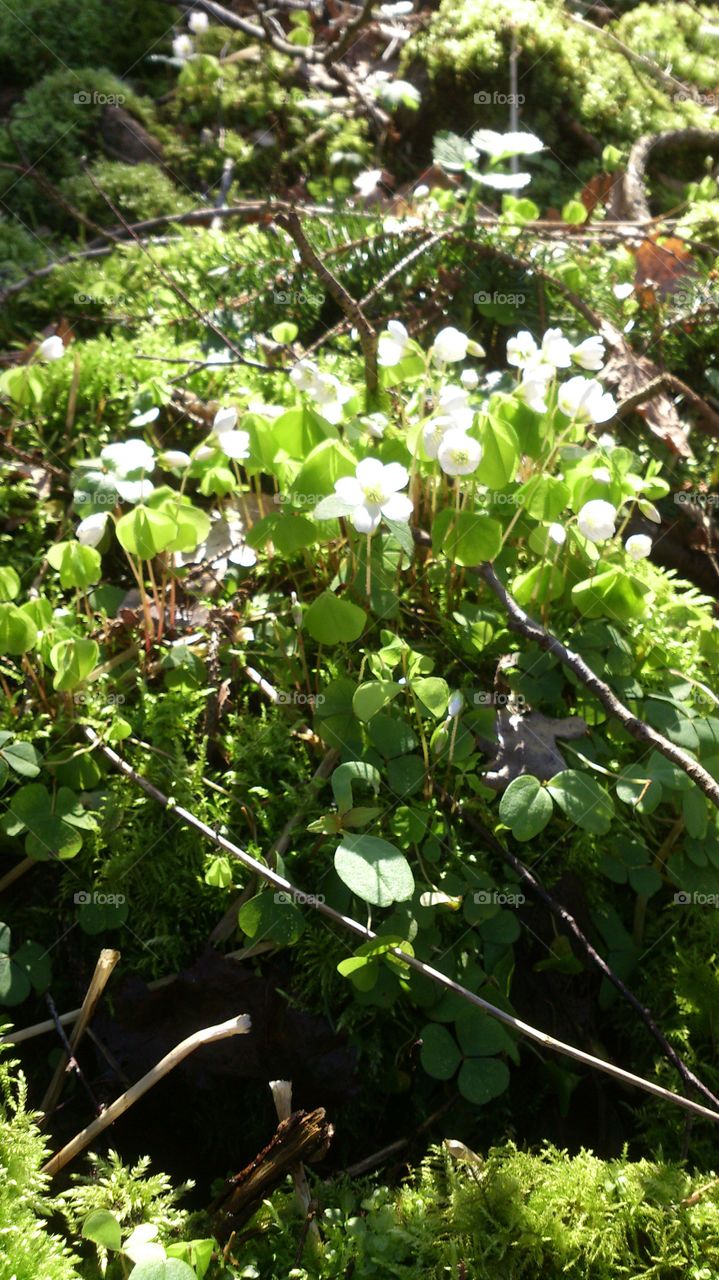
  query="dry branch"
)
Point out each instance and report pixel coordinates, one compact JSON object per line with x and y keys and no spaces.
{"x":233,"y":1027}
{"x":367,"y":935}
{"x":103,"y":969}
{"x":352,"y":310}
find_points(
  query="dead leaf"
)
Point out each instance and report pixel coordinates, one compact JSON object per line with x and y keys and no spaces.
{"x":662,"y":265}
{"x":626,"y":372}
{"x":527,"y":744}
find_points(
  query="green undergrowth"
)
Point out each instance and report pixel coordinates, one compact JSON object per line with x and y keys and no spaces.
{"x":567,"y":76}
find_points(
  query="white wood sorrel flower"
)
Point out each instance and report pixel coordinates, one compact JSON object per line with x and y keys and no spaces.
{"x":52,"y":348}
{"x":639,"y":546}
{"x":451,"y":346}
{"x":597,"y":520}
{"x":392,"y":344}
{"x":458,"y":453}
{"x":589,"y":354}
{"x":585,"y":400}
{"x":374,"y":491}
{"x":90,"y":531}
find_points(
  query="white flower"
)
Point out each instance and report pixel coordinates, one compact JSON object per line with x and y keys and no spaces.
{"x":304,"y":375}
{"x":602,"y":475}
{"x":622,"y":291}
{"x":366,"y":183}
{"x":455,"y":705}
{"x":454,"y":404}
{"x":597,"y":520}
{"x":225,"y":419}
{"x":433,"y":434}
{"x":134,"y":490}
{"x":198,"y":22}
{"x":235,"y":444}
{"x":533,"y":392}
{"x":328,"y":392}
{"x":330,"y":395}
{"x":377,"y":424}
{"x":556,"y":349}
{"x":606,"y":441}
{"x":182,"y":47}
{"x":373,"y":492}
{"x":589,"y":354}
{"x":90,"y":530}
{"x":522,"y":349}
{"x":458,"y":453}
{"x":499,"y":145}
{"x":469,"y":379}
{"x":243,"y":556}
{"x":450,"y":346}
{"x":585,"y":400}
{"x":392,"y":344}
{"x":505,"y":181}
{"x":128,"y":457}
{"x":638,"y":546}
{"x":52,"y":348}
{"x":174,"y":460}
{"x":557,"y":533}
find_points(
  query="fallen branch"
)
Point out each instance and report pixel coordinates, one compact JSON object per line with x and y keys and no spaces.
{"x":103,"y":969}
{"x":412,"y":962}
{"x":305,"y":1135}
{"x":668,"y":82}
{"x":520,"y":621}
{"x":233,"y":1027}
{"x":668,"y":382}
{"x":634,"y":196}
{"x":561,"y":913}
{"x":352,"y":310}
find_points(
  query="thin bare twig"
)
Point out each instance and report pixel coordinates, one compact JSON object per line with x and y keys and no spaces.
{"x":561,"y":913}
{"x":352,"y":310}
{"x":233,"y":1027}
{"x":412,"y":962}
{"x":103,"y":969}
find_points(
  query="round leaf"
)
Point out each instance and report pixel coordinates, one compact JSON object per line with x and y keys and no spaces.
{"x":374,"y":870}
{"x":330,"y":620}
{"x":525,"y":807}
{"x":440,"y":1055}
{"x":481,"y":1079}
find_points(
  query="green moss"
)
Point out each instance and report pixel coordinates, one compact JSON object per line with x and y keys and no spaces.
{"x":27,"y":1250}
{"x":674,"y":35}
{"x":38,"y":36}
{"x":565,"y":74}
{"x":137,"y":190}
{"x":514,"y":1214}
